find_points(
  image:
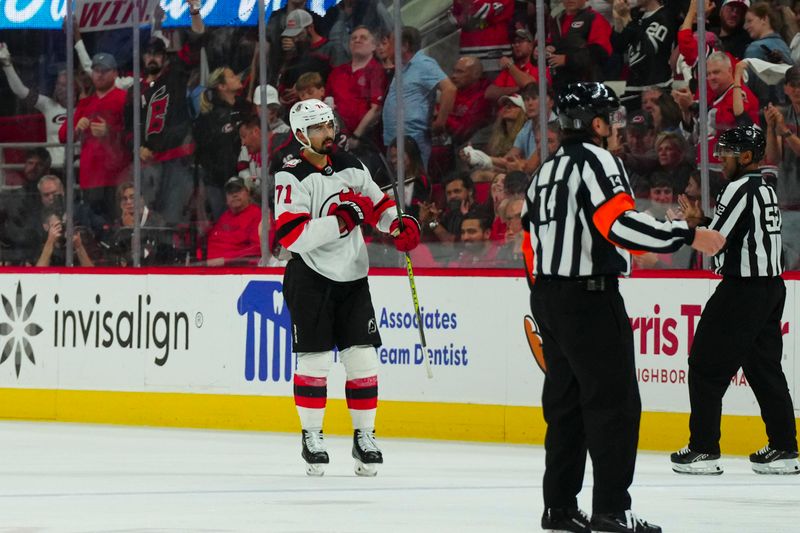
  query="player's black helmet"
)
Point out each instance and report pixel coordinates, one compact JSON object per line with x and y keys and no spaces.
{"x":742,"y":139}
{"x":580,"y":103}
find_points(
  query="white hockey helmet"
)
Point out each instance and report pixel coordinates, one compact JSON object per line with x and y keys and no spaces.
{"x":309,"y":113}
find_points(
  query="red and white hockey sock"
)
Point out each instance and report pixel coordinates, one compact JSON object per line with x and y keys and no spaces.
{"x":310,"y":397}
{"x":362,"y":400}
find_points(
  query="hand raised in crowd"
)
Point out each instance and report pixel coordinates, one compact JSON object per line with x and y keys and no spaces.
{"x":428,"y":212}
{"x":708,"y":241}
{"x":690,"y":211}
{"x":466,"y":205}
{"x":5,"y":55}
{"x":622,"y":9}
{"x":738,"y":72}
{"x":774,"y":117}
{"x":99,"y":128}
{"x":710,"y":5}
{"x":76,"y":34}
{"x":506,"y":62}
{"x":684,"y":98}
{"x":145,"y":154}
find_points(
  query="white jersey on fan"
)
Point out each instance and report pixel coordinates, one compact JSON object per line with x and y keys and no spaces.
{"x":305,"y":197}
{"x":54,"y":113}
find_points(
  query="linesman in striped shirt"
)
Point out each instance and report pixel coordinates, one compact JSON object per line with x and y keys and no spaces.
{"x":583,"y":228}
{"x":741,"y":324}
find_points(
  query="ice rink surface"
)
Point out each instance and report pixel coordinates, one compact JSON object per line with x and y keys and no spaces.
{"x":86,"y":478}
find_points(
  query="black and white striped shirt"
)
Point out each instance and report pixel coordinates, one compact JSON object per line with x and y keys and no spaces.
{"x":582,"y":220}
{"x":748,"y":216}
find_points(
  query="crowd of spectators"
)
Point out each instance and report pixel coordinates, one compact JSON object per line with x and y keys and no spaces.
{"x":472,"y":126}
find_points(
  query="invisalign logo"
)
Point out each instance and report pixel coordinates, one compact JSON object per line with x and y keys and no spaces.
{"x":17,"y":330}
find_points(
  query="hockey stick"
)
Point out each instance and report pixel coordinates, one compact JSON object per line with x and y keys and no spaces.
{"x":391,"y":185}
{"x":409,"y":268}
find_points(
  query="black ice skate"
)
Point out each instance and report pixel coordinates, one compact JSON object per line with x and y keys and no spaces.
{"x":768,"y":460}
{"x":567,"y":520}
{"x":366,"y":453}
{"x":314,"y":453}
{"x":685,"y":461}
{"x":624,"y":522}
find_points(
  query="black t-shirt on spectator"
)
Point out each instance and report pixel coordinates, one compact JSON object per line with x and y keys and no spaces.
{"x":217,"y":136}
{"x":736,"y":43}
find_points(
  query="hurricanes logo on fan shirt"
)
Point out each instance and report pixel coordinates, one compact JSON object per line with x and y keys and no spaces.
{"x":157,"y":111}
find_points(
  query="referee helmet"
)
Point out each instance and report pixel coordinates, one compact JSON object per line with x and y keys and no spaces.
{"x":741,"y":139}
{"x":580,"y":103}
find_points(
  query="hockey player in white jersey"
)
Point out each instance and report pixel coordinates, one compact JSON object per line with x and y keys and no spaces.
{"x":322,"y":197}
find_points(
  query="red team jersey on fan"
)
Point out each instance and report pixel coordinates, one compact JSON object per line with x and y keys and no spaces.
{"x":103,"y":159}
{"x":485,"y":23}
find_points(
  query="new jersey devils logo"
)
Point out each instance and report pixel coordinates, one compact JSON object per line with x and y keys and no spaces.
{"x":332,"y":202}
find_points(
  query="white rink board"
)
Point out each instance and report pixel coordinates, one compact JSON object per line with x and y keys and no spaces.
{"x":475,"y":330}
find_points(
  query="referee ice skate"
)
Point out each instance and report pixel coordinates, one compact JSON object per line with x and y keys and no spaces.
{"x":582,"y":223}
{"x":741,"y":323}
{"x":321,"y":199}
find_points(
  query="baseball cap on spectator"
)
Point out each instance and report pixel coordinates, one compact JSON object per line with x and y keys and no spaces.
{"x":793,"y":74}
{"x":514,"y":99}
{"x":235,"y":184}
{"x":104,"y":61}
{"x":641,"y":120}
{"x":296,"y":22}
{"x":272,"y":95}
{"x":155,"y":46}
{"x":523,"y":33}
{"x":745,"y":2}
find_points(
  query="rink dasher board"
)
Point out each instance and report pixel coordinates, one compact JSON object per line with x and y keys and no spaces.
{"x":160,"y":348}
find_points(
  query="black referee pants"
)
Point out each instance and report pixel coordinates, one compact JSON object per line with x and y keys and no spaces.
{"x":590,"y":398}
{"x":740,"y":328}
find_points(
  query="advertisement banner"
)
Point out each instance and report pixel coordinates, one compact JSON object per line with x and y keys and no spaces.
{"x":109,"y":14}
{"x":183,"y":334}
{"x":96,"y":15}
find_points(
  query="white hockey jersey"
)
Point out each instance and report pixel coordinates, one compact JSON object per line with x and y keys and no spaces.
{"x":305,"y":198}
